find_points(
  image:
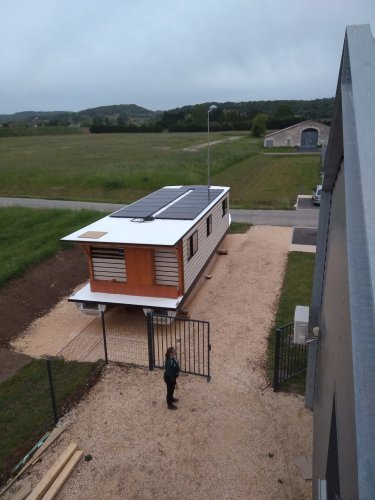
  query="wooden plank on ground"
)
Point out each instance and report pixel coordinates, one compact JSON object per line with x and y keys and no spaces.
{"x":51,"y":438}
{"x":43,"y":485}
{"x":63,"y":476}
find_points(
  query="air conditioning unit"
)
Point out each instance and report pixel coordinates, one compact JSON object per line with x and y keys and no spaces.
{"x":301,"y":324}
{"x":91,"y":308}
{"x":167,"y":313}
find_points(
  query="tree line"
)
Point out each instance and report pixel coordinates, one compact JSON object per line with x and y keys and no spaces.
{"x":253,"y":115}
{"x":129,"y":118}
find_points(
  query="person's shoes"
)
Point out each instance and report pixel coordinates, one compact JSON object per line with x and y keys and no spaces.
{"x":172,"y":407}
{"x":174,"y":400}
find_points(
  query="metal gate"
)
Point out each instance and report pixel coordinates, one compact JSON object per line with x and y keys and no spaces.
{"x":190,"y":337}
{"x":290,"y":358}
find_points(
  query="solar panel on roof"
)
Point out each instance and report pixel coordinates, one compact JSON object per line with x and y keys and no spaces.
{"x":191,"y":205}
{"x":150,"y":204}
{"x":196,"y":199}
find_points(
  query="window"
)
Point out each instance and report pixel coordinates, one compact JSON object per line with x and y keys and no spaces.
{"x":224,"y":206}
{"x":192,"y":245}
{"x":108,"y":263}
{"x":209,"y":225}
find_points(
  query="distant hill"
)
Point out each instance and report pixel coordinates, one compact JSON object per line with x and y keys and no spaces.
{"x":133,"y":118}
{"x":132,"y":110}
{"x":27,"y":116}
{"x":125,"y":112}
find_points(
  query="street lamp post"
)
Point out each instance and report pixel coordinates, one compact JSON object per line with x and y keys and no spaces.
{"x":208,"y":145}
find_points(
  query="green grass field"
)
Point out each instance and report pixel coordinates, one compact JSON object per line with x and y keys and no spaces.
{"x":25,"y":404}
{"x":122,"y":167}
{"x":270,"y":182}
{"x":28,"y":236}
{"x":296,"y":290}
{"x":38,"y":131}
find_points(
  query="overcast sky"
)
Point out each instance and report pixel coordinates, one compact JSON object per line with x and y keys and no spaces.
{"x":76,"y":54}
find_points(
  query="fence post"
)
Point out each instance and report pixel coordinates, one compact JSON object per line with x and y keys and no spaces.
{"x":104,"y":337}
{"x":276,"y":367}
{"x":52,"y":391}
{"x":150,"y":340}
{"x":208,"y":353}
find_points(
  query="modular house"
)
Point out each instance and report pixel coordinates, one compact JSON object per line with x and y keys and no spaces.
{"x":151,"y":253}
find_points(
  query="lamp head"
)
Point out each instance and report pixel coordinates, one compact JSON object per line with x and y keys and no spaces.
{"x":213,"y":106}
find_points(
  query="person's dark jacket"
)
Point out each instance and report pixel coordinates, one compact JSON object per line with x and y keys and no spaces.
{"x":172,"y":370}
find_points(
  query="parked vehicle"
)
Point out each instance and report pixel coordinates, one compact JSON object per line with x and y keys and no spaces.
{"x":316,"y":194}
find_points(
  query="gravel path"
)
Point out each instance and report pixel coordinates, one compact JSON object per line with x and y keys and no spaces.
{"x":232,"y":438}
{"x":198,"y":147}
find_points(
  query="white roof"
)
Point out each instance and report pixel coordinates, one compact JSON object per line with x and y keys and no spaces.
{"x":163,"y":232}
{"x":86,"y":295}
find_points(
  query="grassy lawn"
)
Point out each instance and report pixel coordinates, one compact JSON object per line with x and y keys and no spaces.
{"x":296,"y":290}
{"x":239,"y":228}
{"x":33,"y":131}
{"x":279,"y":149}
{"x":28,"y":236}
{"x":25,"y":404}
{"x":267,"y":182}
{"x":123,"y":167}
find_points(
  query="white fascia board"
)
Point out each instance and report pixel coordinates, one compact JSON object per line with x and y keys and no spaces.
{"x":86,"y":295}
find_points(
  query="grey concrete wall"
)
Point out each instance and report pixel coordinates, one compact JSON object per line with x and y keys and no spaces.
{"x":334,"y":365}
{"x":320,"y":261}
{"x":344,"y":283}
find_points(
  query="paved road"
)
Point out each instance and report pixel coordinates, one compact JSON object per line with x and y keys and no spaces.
{"x":291,"y":218}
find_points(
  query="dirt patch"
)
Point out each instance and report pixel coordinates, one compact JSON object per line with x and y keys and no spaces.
{"x":34,"y":294}
{"x":231,"y":438}
{"x":25,"y":299}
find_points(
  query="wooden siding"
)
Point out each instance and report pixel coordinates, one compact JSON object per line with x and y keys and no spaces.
{"x":166,"y":267}
{"x":108,"y":264}
{"x":206,"y":244}
{"x":131,"y":270}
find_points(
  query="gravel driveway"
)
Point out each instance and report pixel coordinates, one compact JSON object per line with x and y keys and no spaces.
{"x":232,"y":438}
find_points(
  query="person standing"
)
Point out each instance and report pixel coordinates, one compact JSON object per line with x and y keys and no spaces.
{"x":172,"y":371}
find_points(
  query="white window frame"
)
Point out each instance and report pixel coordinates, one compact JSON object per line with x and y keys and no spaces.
{"x":209,"y":225}
{"x":224,"y":206}
{"x":193,"y":245}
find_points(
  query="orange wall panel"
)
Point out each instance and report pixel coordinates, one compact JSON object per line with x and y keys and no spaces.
{"x":140,"y":266}
{"x":140,"y":270}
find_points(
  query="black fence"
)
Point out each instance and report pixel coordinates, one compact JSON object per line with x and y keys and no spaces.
{"x":190,"y":337}
{"x":33,"y":400}
{"x":290,"y":358}
{"x":107,"y":338}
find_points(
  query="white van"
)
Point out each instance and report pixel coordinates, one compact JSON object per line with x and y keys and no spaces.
{"x":316,"y":194}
